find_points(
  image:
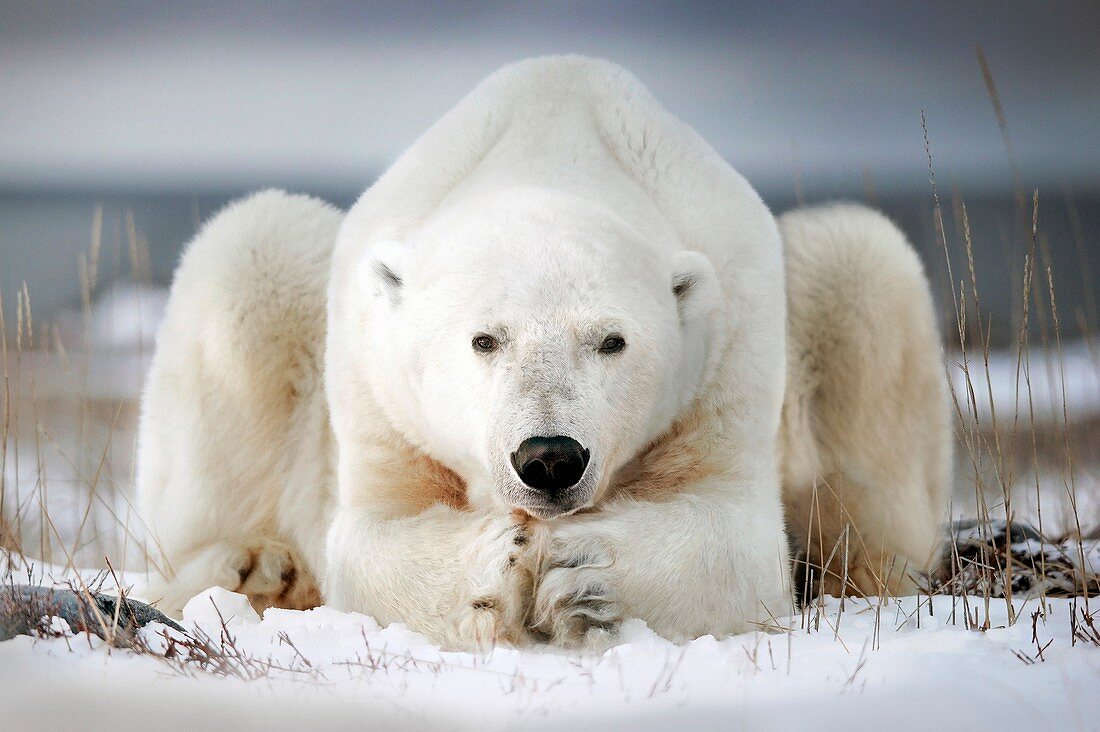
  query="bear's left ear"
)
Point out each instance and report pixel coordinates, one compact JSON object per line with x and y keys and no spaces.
{"x":695,"y":285}
{"x":383,"y":270}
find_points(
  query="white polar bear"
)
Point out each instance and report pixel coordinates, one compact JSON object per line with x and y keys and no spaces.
{"x":532,"y":384}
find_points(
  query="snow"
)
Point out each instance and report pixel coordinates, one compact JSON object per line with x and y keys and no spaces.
{"x":1039,"y":382}
{"x":124,"y":317}
{"x":910,"y":664}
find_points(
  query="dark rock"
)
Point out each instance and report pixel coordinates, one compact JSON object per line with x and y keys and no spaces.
{"x":22,"y":608}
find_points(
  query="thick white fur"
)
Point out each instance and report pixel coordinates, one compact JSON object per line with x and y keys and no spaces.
{"x":234,"y":443}
{"x":866,"y":438}
{"x":556,"y":202}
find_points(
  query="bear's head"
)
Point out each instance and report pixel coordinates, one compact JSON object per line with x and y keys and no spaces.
{"x":534,"y":343}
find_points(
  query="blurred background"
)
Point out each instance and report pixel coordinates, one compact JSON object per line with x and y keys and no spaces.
{"x":123,"y":125}
{"x":164,"y":110}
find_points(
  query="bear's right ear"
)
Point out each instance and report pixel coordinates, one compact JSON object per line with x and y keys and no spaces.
{"x":695,"y":285}
{"x":382,"y":271}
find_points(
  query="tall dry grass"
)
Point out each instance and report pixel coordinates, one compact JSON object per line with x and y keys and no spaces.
{"x":67,"y":446}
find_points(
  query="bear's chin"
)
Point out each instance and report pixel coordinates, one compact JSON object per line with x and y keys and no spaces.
{"x":547,"y":511}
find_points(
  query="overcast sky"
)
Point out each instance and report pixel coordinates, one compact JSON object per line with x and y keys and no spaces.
{"x":193,"y":95}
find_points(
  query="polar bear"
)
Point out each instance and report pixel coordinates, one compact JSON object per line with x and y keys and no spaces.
{"x":536,"y":382}
{"x":866,"y":432}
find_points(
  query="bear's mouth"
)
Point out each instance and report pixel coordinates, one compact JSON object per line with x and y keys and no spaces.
{"x":540,"y":507}
{"x":548,"y":512}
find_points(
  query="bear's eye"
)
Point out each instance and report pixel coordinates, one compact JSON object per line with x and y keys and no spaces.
{"x":485,"y":343}
{"x":612,"y":344}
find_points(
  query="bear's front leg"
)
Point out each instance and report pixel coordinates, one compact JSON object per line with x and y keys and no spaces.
{"x":708,"y":560}
{"x":462,"y":579}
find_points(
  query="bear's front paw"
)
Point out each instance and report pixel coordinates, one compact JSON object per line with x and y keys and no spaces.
{"x":269,"y":576}
{"x":499,"y":581}
{"x":575,"y":602}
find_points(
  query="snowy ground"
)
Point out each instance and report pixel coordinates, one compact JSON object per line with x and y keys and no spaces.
{"x":909,"y":664}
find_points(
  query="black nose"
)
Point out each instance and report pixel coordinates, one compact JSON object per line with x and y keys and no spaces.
{"x":550,"y":464}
